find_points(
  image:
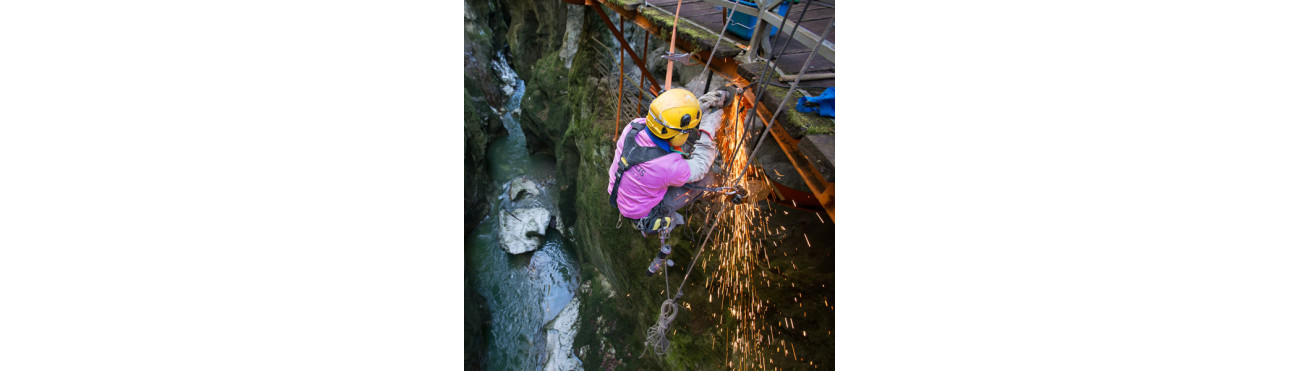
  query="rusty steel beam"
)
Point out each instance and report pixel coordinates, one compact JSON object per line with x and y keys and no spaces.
{"x":823,"y":190}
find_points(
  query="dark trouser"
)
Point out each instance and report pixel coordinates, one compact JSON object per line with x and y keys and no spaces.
{"x":678,"y":197}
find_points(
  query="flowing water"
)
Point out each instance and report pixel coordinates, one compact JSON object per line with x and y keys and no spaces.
{"x":525,"y":291}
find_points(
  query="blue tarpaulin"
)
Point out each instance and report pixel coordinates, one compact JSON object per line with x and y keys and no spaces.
{"x":823,"y":104}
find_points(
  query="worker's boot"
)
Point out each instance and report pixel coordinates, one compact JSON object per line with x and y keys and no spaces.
{"x":658,"y":224}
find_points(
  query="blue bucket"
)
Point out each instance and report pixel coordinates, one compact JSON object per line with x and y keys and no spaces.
{"x":743,"y":24}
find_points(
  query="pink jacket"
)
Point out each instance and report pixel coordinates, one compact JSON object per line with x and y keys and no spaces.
{"x":644,"y":185}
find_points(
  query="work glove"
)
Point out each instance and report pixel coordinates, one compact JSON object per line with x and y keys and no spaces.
{"x":711,"y":121}
{"x":713,"y":100}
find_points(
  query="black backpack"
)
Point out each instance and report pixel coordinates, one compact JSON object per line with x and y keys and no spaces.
{"x":633,"y":155}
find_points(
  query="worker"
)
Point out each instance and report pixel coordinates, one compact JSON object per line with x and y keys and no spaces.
{"x":649,"y":178}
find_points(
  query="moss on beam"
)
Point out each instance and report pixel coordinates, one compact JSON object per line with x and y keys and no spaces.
{"x":699,"y":39}
{"x":625,"y":4}
{"x":796,"y":123}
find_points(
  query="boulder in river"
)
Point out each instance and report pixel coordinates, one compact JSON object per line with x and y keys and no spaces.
{"x":522,"y":229}
{"x":522,"y":185}
{"x":559,"y":339}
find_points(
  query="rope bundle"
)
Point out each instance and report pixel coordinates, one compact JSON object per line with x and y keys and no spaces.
{"x":657,"y":335}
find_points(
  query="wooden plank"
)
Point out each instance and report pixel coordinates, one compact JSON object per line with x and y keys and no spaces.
{"x":810,"y":19}
{"x":790,"y":63}
{"x":781,"y":42}
{"x":820,"y":25}
{"x":695,"y":10}
{"x":672,"y":4}
{"x":794,"y":12}
{"x":810,"y":85}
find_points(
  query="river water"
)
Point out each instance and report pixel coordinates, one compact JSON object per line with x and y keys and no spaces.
{"x":525,"y":291}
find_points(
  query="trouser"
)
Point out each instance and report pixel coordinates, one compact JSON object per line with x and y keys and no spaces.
{"x":675,"y":199}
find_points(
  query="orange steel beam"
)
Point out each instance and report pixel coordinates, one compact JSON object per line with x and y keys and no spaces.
{"x":823,"y":190}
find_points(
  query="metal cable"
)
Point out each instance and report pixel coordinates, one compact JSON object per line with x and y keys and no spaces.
{"x":721,"y":34}
{"x":763,"y":78}
{"x":770,"y":123}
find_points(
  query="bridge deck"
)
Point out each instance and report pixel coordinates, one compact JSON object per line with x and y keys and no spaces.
{"x":816,"y":16}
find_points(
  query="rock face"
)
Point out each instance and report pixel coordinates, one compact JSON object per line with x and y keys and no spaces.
{"x":522,"y":230}
{"x":520,"y":187}
{"x":559,"y":340}
{"x":483,"y":94}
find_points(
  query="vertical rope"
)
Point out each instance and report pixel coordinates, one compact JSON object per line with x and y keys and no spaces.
{"x":672,"y":48}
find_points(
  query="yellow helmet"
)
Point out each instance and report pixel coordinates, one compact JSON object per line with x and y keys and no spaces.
{"x":672,"y":112}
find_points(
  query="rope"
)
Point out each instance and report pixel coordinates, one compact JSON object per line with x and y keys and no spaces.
{"x":672,"y":48}
{"x":657,"y":336}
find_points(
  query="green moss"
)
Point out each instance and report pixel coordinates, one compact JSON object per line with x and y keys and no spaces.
{"x":623,"y":3}
{"x":802,"y":123}
{"x":697,"y":39}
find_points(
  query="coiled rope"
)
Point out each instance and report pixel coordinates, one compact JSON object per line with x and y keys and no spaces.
{"x":657,"y":336}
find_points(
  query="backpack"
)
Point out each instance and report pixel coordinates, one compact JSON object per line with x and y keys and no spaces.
{"x":633,"y":154}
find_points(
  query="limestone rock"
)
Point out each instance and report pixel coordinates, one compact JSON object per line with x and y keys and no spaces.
{"x":522,"y":185}
{"x":559,"y":340}
{"x":521,"y":230}
{"x":572,"y":31}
